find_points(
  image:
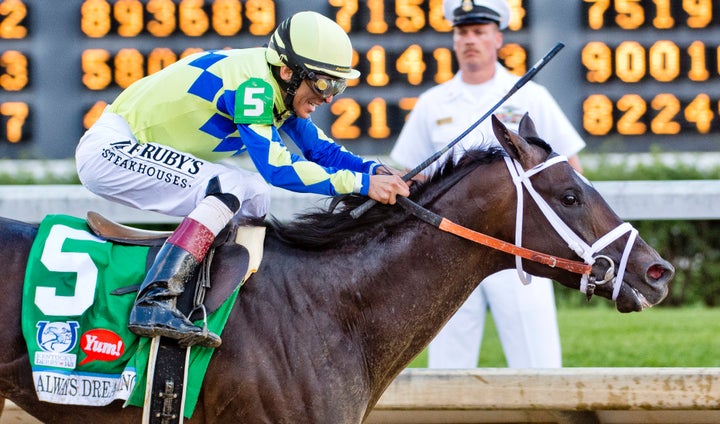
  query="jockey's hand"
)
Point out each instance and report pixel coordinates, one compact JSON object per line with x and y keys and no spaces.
{"x":384,"y":169}
{"x":385,"y":188}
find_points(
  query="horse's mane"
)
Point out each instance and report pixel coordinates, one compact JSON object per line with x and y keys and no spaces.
{"x":331,"y":227}
{"x":321,"y":228}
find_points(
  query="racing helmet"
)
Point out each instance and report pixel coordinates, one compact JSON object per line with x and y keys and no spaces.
{"x":310,"y":43}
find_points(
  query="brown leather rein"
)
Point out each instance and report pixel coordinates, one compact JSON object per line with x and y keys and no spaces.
{"x":446,"y":225}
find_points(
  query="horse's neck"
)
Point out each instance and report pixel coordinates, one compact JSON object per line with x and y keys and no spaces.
{"x":407,"y":289}
{"x":390,"y":296}
{"x":420,"y":280}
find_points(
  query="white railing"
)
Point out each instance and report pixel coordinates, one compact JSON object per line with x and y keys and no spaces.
{"x":695,"y":199}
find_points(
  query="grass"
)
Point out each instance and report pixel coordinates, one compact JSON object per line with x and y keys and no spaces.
{"x":599,"y":336}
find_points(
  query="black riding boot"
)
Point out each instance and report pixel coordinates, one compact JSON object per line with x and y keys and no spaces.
{"x":155,"y":312}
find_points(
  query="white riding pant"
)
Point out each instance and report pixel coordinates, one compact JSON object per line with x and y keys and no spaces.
{"x":525,"y":318}
{"x":112,"y":164}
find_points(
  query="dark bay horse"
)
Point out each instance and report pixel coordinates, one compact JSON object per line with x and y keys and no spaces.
{"x":340,"y":307}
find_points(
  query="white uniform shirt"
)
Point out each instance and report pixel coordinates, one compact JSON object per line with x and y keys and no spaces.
{"x":525,"y":316}
{"x":443,"y":112}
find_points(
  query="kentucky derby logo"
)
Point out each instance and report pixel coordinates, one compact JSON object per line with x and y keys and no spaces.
{"x":56,"y":339}
{"x":59,"y":337}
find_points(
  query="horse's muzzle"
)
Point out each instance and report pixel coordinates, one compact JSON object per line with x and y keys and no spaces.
{"x":637,"y":296}
{"x":658,"y":276}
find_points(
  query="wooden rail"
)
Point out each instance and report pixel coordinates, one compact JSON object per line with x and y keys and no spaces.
{"x":565,"y":395}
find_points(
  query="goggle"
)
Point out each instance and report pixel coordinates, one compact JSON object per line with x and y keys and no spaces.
{"x":326,"y":86}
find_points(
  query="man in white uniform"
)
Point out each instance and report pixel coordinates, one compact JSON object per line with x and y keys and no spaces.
{"x":524,"y":314}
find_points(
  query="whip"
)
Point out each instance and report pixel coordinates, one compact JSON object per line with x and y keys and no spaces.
{"x":360,"y":210}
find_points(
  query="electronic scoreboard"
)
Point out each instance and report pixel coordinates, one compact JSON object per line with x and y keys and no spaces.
{"x":634,"y":73}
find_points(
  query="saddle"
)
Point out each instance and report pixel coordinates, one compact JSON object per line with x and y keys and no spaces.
{"x":233,"y":258}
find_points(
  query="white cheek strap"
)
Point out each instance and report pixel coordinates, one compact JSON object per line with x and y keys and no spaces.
{"x":575,"y":243}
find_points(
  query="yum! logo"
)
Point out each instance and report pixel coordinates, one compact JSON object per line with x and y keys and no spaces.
{"x":101,"y":345}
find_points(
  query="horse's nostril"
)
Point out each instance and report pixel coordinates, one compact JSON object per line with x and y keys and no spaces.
{"x":657,"y":271}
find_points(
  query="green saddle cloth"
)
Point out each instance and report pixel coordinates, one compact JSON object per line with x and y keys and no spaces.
{"x":80,"y":349}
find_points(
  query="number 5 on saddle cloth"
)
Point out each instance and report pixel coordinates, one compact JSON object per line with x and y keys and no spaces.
{"x":73,"y":356}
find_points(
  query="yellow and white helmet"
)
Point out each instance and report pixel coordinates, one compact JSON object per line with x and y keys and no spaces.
{"x":309,"y":42}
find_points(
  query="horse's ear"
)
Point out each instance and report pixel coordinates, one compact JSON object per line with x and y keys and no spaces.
{"x":515,"y":146}
{"x":526,"y":128}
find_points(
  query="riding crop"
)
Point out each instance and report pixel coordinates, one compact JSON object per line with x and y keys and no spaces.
{"x":360,"y":210}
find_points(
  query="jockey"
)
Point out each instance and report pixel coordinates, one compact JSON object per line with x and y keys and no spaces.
{"x":158,"y":146}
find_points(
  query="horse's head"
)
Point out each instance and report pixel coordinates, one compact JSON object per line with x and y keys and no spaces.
{"x":566,"y":217}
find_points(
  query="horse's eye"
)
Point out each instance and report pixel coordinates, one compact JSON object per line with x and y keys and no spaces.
{"x":570,"y":200}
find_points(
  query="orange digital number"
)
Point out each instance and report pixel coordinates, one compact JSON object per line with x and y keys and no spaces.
{"x":17,"y":113}
{"x":410,"y":17}
{"x":699,"y":111}
{"x":377,"y":77}
{"x":630,"y":61}
{"x":630,"y":14}
{"x":93,"y":114}
{"x":664,"y":61}
{"x":634,"y":107}
{"x":348,"y":111}
{"x":15,"y":77}
{"x":378,"y":118}
{"x":377,"y":24}
{"x":129,"y":15}
{"x":663,"y":18}
{"x":700,"y":12}
{"x":97,"y":74}
{"x":436,"y":17}
{"x":194,"y":22}
{"x":129,"y":65}
{"x":159,"y":59}
{"x":517,"y":14}
{"x":597,"y":59}
{"x":227,"y":17}
{"x":444,"y":59}
{"x":698,"y":65}
{"x":261,"y":14}
{"x":348,"y":9}
{"x":514,"y":58}
{"x":163,"y":22}
{"x":407,"y":104}
{"x":411,"y":64}
{"x":598,"y":114}
{"x":14,"y":11}
{"x":596,"y":13}
{"x":668,"y":107}
{"x":95,"y":18}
